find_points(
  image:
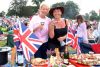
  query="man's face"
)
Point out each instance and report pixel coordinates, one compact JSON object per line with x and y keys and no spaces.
{"x":44,"y":10}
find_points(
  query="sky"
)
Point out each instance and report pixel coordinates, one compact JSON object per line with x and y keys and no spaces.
{"x":85,"y":5}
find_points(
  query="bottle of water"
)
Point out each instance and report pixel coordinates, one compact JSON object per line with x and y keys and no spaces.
{"x":20,"y":59}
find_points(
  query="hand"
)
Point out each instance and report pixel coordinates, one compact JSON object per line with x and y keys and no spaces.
{"x":52,"y":25}
{"x":60,"y":39}
{"x":39,"y":27}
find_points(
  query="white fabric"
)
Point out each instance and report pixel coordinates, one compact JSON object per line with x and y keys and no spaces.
{"x":95,"y":33}
{"x":99,"y":28}
{"x":82,"y":32}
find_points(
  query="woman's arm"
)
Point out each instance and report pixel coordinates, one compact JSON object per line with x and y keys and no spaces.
{"x":62,"y":38}
{"x":51,"y":30}
{"x":67,"y":22}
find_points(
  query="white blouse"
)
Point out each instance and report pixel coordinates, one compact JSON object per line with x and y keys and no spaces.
{"x":82,"y":32}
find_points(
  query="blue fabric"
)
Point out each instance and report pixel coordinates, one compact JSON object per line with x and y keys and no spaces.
{"x":85,"y":48}
{"x":96,"y":65}
{"x":80,"y":40}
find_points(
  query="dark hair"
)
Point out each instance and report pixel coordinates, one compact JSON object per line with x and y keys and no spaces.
{"x":89,"y":26}
{"x":52,"y":10}
{"x":79,"y":17}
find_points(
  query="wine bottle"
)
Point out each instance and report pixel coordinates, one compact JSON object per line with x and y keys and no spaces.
{"x":57,"y":53}
{"x":66,"y":56}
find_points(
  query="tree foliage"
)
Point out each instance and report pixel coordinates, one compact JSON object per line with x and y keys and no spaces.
{"x":16,"y":7}
{"x":86,"y":16}
{"x":93,"y":15}
{"x":36,"y":4}
{"x":19,"y":8}
{"x":27,"y":11}
{"x":71,"y":9}
{"x":2,"y":13}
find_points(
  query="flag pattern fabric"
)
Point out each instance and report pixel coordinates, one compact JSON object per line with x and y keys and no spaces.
{"x":74,"y":42}
{"x":29,"y":41}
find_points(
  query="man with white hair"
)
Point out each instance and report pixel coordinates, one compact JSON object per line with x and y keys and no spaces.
{"x":39,"y":26}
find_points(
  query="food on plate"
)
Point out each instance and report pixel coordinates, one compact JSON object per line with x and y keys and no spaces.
{"x":38,"y":61}
{"x":86,"y":59}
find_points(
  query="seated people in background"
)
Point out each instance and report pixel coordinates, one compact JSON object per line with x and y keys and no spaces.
{"x":91,"y":37}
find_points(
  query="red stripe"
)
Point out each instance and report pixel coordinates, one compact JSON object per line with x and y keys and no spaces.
{"x":75,"y":40}
{"x":23,"y":39}
{"x":26,"y":33}
{"x":16,"y":39}
{"x":70,"y":35}
{"x":29,"y":45}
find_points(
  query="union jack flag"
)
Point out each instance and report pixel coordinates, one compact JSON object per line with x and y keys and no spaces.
{"x":29,"y":42}
{"x":74,"y":42}
{"x":16,"y":36}
{"x":16,"y":33}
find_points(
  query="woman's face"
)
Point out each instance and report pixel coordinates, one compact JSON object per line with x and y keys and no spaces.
{"x":44,"y":10}
{"x":57,"y":13}
{"x":79,"y":20}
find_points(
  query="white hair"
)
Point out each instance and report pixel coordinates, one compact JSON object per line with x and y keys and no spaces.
{"x":44,"y":3}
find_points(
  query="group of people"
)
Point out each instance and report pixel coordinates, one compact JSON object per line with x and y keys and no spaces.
{"x":52,"y":32}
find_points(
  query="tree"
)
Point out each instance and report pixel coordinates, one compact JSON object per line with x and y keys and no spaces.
{"x":16,"y":6}
{"x":86,"y":16}
{"x":99,"y":17}
{"x":26,"y":11}
{"x":36,"y":4}
{"x":93,"y":15}
{"x":11,"y":12}
{"x":2,"y":13}
{"x":71,"y":9}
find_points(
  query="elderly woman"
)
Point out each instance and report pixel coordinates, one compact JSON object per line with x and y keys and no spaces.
{"x":57,"y":29}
